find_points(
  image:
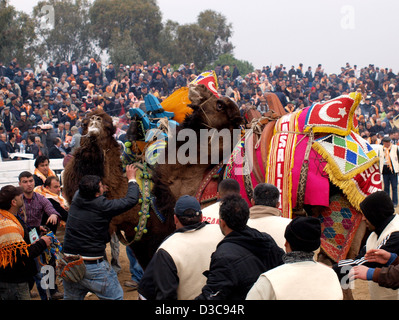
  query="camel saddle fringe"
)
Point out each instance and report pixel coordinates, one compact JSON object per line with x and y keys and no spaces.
{"x":71,"y":268}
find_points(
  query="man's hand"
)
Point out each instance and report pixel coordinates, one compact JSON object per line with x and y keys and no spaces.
{"x":378,"y":255}
{"x":358,"y":272}
{"x":53,"y":219}
{"x":47,"y":240}
{"x":131,"y":172}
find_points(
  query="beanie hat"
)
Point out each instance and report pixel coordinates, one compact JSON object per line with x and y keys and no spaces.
{"x":303,"y":234}
{"x":377,"y":207}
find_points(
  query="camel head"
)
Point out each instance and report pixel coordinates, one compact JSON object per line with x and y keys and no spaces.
{"x":211,"y":112}
{"x":99,"y":125}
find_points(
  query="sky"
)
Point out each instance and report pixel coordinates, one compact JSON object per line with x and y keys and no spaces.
{"x":289,"y":32}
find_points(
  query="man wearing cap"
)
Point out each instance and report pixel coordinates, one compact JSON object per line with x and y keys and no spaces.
{"x":176,"y":270}
{"x":8,"y":118}
{"x":389,"y":167}
{"x":17,"y":265}
{"x":241,"y":257}
{"x":24,"y":123}
{"x":301,"y":277}
{"x":379,"y":214}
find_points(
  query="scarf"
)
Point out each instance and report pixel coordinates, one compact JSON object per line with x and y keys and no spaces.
{"x":42,"y":176}
{"x":50,"y":195}
{"x":298,"y":256}
{"x":387,"y":152}
{"x":71,"y":116}
{"x":11,"y":239}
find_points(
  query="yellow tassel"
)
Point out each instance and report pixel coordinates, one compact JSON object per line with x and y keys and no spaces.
{"x":335,"y":170}
{"x":349,"y":189}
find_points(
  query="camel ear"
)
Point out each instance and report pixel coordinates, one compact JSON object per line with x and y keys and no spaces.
{"x":194,"y":95}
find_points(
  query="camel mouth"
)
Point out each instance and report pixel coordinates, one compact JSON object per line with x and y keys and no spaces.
{"x":94,"y":131}
{"x":95,"y":126}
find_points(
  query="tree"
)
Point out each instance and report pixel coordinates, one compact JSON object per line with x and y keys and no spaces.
{"x":195,"y":44}
{"x":123,"y":51}
{"x":16,"y":36}
{"x":217,"y":25}
{"x":244,"y":67}
{"x":201,"y":42}
{"x":63,"y":29}
{"x":141,"y":20}
{"x":168,"y":43}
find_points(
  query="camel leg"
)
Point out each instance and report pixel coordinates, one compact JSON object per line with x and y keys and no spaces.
{"x":357,"y":241}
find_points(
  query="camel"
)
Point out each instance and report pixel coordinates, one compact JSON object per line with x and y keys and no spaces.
{"x":263,"y":129}
{"x":99,"y":154}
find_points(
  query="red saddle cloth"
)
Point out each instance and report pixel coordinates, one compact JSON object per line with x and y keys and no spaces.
{"x":208,"y":189}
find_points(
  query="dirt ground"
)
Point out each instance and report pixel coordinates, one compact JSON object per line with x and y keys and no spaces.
{"x":360,"y":291}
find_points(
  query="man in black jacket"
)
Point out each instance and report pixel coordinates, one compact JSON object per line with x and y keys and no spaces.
{"x":56,"y":151}
{"x":87,"y":233}
{"x":17,"y":266}
{"x":241,"y":257}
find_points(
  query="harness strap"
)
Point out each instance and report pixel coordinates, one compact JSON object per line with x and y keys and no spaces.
{"x":304,"y":177}
{"x":206,"y":181}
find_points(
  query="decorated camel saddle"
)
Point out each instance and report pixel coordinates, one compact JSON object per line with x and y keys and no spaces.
{"x":317,"y":159}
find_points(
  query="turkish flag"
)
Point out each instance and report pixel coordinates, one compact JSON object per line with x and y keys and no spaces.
{"x":208,"y":79}
{"x":336,"y":114}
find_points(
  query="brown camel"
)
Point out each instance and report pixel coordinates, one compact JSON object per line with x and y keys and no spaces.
{"x":99,"y":154}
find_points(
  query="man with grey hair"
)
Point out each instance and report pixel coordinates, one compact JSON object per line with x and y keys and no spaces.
{"x":265,"y":215}
{"x":75,"y":142}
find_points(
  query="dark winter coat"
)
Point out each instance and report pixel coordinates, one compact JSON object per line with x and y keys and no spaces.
{"x":240,"y":258}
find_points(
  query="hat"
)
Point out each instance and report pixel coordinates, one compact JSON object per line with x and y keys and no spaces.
{"x":386,"y":139}
{"x":303,"y":234}
{"x":187,"y":202}
{"x":377,"y":207}
{"x":23,"y":113}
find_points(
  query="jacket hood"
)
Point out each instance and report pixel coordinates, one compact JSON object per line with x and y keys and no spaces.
{"x":258,"y":243}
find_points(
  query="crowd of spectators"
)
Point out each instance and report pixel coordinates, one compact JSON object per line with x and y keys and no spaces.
{"x":41,"y":109}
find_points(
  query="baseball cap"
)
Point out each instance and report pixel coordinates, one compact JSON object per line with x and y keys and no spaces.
{"x":185,"y":203}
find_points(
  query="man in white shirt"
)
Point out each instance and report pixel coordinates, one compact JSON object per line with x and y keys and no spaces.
{"x":265,"y":215}
{"x":228,"y":186}
{"x":389,"y":167}
{"x":300,"y":277}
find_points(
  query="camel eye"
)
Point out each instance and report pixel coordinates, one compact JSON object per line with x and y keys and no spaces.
{"x":220,"y":105}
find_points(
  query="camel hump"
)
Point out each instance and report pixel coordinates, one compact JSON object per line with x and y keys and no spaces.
{"x":274,"y":103}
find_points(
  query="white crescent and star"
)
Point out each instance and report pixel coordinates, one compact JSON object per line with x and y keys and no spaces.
{"x":325,"y":117}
